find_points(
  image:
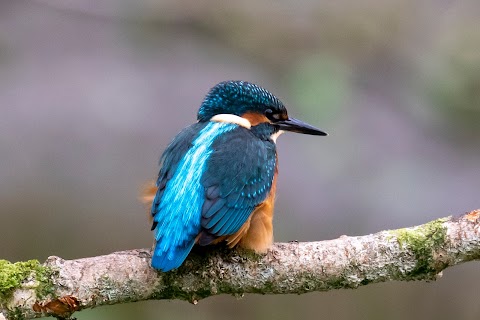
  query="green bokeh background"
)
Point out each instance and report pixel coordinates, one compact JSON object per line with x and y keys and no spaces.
{"x":92,"y":92}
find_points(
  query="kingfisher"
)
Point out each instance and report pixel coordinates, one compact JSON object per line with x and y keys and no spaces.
{"x":218,"y":176}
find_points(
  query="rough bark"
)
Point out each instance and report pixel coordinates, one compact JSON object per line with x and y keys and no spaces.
{"x":60,"y":287}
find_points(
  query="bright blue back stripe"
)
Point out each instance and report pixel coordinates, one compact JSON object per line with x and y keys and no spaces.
{"x":180,"y":210}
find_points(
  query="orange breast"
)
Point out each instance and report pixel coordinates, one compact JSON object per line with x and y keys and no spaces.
{"x":257,"y":232}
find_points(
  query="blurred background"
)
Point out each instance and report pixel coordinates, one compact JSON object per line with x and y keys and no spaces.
{"x":91,"y":92}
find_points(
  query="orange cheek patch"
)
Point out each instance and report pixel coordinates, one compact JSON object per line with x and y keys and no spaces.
{"x":255,"y":118}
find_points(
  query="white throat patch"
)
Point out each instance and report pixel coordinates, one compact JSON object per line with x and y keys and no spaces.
{"x":231,"y":118}
{"x":276,"y":135}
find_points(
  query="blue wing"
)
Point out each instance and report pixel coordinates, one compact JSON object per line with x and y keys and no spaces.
{"x":238,"y":177}
{"x":177,"y":206}
{"x":213,"y":176}
{"x":170,"y":159}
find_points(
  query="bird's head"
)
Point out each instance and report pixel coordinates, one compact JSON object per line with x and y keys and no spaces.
{"x":254,"y":104}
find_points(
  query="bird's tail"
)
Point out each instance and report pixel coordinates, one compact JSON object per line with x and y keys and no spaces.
{"x":173,"y":258}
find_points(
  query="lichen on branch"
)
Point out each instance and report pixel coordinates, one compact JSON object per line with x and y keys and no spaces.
{"x":60,"y":287}
{"x":31,"y":273}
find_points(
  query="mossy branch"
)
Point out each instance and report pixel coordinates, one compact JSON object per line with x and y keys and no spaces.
{"x":60,"y":287}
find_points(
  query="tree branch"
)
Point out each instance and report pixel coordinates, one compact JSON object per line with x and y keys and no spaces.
{"x":60,"y":287}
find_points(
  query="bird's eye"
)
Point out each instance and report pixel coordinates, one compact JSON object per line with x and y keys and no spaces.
{"x":272,"y":116}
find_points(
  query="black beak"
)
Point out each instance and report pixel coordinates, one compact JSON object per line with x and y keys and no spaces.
{"x":295,"y":125}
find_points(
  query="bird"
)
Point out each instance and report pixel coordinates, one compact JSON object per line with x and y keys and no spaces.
{"x":217,"y":177}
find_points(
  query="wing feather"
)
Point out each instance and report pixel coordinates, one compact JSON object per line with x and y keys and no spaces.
{"x":213,"y":176}
{"x":238,"y":178}
{"x":176,"y":209}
